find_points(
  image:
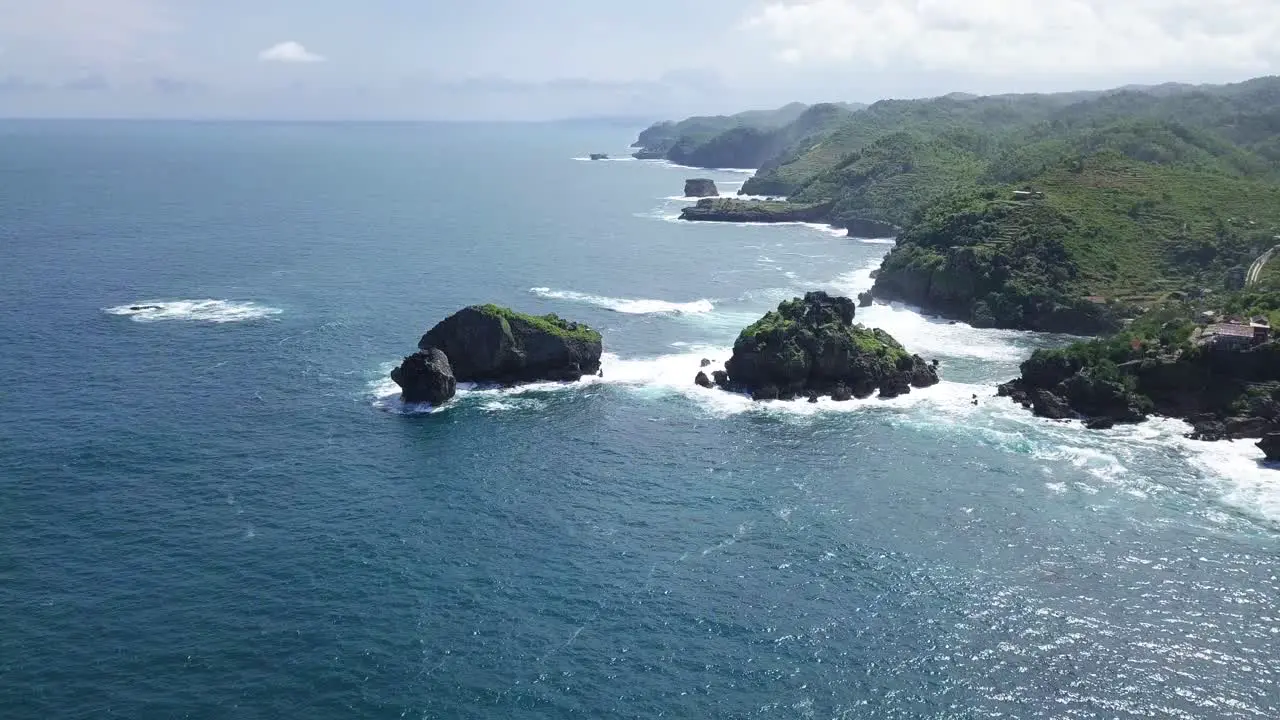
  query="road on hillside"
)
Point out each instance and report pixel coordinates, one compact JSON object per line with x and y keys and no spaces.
{"x":1255,"y":270}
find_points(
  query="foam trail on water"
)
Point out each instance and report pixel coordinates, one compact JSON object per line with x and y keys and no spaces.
{"x":878,"y":241}
{"x":213,"y":311}
{"x":630,"y":306}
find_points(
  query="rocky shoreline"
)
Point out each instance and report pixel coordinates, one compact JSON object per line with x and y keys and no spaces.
{"x":1225,"y":393}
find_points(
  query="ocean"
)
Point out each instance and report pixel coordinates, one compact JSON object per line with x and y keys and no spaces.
{"x":215,"y":505}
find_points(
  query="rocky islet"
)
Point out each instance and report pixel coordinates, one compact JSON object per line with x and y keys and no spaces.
{"x":496,"y":345}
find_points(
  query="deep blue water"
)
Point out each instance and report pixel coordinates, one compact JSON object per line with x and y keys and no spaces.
{"x":216,"y":509}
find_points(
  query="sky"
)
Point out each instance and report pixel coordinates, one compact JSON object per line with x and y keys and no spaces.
{"x":548,"y":59}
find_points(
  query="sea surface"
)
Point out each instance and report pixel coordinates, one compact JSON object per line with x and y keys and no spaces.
{"x":217,"y":507}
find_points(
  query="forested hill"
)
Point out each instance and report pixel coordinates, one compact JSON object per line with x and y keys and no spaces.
{"x":795,"y":143}
{"x":1135,"y":194}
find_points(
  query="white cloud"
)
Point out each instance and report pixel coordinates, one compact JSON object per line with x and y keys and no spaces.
{"x":290,"y":52}
{"x":1025,"y":37}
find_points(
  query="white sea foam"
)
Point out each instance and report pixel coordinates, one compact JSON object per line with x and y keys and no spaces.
{"x":385,"y":395}
{"x":673,"y":375}
{"x":1234,"y":472}
{"x":214,"y":311}
{"x":878,"y":241}
{"x":1243,"y":478}
{"x":630,"y":306}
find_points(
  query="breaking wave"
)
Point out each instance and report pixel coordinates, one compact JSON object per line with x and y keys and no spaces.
{"x":213,"y":311}
{"x":638,"y":306}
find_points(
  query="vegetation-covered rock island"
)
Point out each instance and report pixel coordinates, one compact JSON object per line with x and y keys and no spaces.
{"x":810,"y":347}
{"x":492,"y":344}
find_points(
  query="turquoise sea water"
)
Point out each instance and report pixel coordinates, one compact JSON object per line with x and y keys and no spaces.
{"x":216,"y":507}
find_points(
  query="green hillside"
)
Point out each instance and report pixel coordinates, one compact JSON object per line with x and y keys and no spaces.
{"x":985,"y":123}
{"x":893,"y":179}
{"x":1163,"y":142}
{"x":658,"y":139}
{"x":742,"y":142}
{"x":1110,"y":232}
{"x":1244,"y":116}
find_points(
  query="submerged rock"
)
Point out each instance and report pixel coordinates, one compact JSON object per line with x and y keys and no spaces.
{"x":599,"y":156}
{"x":426,"y":377}
{"x":491,"y":344}
{"x":810,"y":346}
{"x":700,"y":188}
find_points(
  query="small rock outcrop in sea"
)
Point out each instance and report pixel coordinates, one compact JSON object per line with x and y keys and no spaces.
{"x":809,"y":346}
{"x":700,"y":188}
{"x":865,"y":299}
{"x":599,"y":156}
{"x":1270,"y":444}
{"x":426,"y":377}
{"x":701,"y":380}
{"x":491,"y":344}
